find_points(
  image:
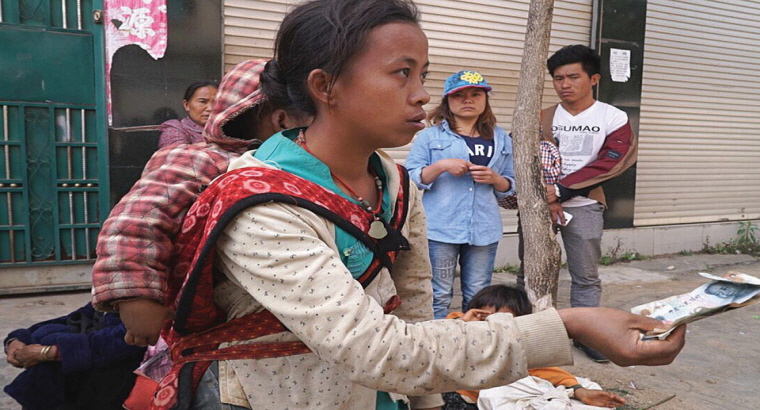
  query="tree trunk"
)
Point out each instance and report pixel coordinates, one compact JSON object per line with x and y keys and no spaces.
{"x":541,"y":259}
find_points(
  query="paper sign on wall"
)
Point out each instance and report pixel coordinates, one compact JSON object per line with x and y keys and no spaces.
{"x":620,"y":65}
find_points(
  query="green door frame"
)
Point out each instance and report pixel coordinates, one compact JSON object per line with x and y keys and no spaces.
{"x":47,"y":17}
{"x":99,"y":45}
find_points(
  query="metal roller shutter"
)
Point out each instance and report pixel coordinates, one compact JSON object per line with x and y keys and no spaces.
{"x":250,"y":27}
{"x":488,"y":36}
{"x":485,"y":35}
{"x":698,"y":149}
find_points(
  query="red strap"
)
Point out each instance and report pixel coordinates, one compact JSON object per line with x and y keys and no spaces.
{"x":195,"y":351}
{"x":202,"y":346}
{"x":194,"y":346}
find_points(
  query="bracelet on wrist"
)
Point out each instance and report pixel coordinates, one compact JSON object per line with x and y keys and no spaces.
{"x":44,"y":353}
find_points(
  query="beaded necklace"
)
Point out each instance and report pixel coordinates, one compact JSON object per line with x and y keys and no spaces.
{"x":377,"y":228}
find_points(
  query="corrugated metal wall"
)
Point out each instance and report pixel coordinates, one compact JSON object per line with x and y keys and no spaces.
{"x":485,"y":35}
{"x":249,"y":28}
{"x":699,"y":148}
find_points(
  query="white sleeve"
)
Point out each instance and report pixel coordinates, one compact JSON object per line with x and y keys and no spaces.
{"x":614,"y":119}
{"x":280,"y":255}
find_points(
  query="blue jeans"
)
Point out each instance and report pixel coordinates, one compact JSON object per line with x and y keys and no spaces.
{"x":207,"y":396}
{"x":476,"y":264}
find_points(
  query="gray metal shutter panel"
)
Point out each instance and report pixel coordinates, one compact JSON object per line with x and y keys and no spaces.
{"x":485,"y":35}
{"x":698,"y":150}
{"x":250,"y":27}
{"x":488,"y":36}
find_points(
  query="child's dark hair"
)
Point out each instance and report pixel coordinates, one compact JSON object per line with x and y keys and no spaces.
{"x":326,"y":34}
{"x":247,"y":125}
{"x":576,"y":53}
{"x":502,"y":296}
{"x":484,"y":125}
{"x":190,"y":91}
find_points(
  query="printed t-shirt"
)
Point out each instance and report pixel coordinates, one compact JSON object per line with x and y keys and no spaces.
{"x":480,"y":149}
{"x":582,"y":136}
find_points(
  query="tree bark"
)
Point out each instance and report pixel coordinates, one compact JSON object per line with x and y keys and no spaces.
{"x":541,"y":259}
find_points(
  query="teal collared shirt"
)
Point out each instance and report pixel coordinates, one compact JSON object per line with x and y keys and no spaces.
{"x":281,"y":151}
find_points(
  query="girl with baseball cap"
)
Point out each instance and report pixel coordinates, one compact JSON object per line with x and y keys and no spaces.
{"x":464,"y":164}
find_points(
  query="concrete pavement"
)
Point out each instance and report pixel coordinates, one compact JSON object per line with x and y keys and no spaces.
{"x":633,"y":280}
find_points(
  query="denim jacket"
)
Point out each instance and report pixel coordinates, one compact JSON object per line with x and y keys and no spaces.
{"x":458,"y":209}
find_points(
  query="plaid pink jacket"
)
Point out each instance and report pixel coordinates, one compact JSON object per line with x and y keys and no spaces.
{"x":551,"y":166}
{"x":136,"y":244}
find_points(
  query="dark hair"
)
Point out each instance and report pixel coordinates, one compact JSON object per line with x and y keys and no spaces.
{"x":502,"y":296}
{"x":484,"y":125}
{"x":576,"y":53}
{"x":277,"y":93}
{"x":247,"y":124}
{"x":326,"y":34}
{"x":195,"y":86}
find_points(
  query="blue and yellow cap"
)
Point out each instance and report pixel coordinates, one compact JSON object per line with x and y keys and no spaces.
{"x":464,"y":79}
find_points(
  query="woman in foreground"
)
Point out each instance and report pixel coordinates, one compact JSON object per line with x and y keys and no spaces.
{"x":316,"y":236}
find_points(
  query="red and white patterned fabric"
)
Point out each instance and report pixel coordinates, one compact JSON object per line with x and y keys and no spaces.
{"x":184,"y":131}
{"x":199,"y":327}
{"x":551,"y":167}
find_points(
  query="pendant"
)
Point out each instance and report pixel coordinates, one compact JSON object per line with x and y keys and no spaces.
{"x":377,"y":230}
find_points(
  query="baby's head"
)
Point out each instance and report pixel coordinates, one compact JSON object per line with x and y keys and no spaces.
{"x":502,"y":299}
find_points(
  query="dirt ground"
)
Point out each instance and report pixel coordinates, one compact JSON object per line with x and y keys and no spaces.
{"x":719,"y":369}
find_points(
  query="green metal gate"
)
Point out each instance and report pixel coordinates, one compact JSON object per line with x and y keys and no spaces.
{"x":53,"y":152}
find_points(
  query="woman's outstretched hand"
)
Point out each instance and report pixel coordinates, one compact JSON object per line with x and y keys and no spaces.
{"x":617,"y":335}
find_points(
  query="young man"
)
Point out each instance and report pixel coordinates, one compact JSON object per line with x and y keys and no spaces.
{"x":596,"y":143}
